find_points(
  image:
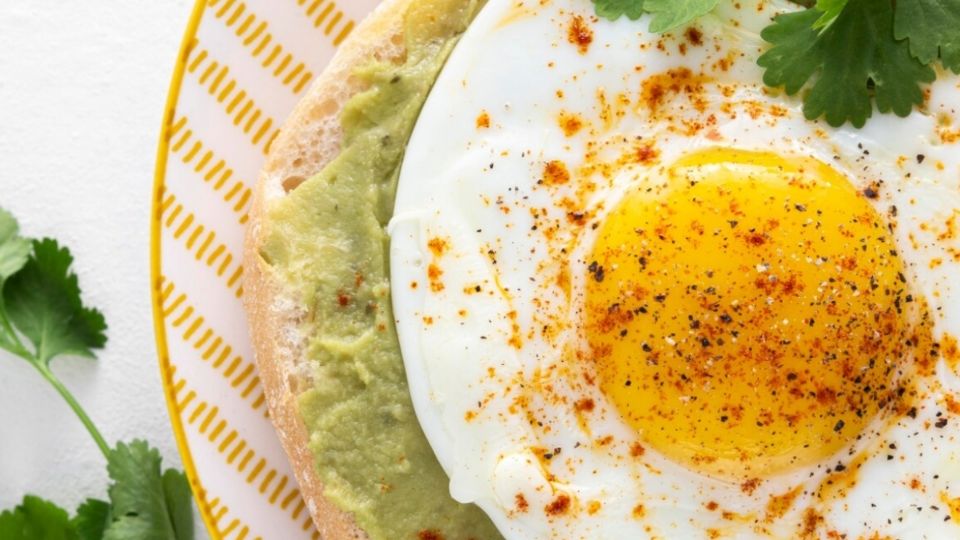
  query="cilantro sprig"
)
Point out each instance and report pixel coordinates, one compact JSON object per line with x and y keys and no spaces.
{"x":845,"y":57}
{"x":42,"y":317}
{"x":851,"y":48}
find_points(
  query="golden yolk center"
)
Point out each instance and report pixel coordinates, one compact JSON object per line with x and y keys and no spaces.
{"x":746,"y":318}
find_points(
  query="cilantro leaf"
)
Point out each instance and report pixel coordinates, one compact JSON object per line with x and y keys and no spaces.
{"x":857,"y":59}
{"x":796,"y":53}
{"x":43,"y":301}
{"x":14,"y":250}
{"x":831,"y":10}
{"x":671,"y":14}
{"x":897,"y":76}
{"x":179,"y":501}
{"x":933,"y":28}
{"x":667,"y":14}
{"x":92,"y":519}
{"x":614,"y":9}
{"x":147,"y":505}
{"x":36,"y":519}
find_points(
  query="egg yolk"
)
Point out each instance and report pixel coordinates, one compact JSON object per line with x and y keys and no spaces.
{"x":746,"y":318}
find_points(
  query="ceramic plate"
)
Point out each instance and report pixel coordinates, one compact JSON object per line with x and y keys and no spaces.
{"x":241,"y":69}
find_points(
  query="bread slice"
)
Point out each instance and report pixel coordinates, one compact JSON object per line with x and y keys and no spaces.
{"x":309,"y":140}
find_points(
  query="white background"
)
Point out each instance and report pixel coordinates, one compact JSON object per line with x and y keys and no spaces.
{"x":82,"y":91}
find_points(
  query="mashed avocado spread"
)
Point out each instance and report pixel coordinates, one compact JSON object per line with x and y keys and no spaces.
{"x":327,"y":241}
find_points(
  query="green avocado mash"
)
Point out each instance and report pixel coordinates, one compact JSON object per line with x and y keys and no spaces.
{"x":327,"y":241}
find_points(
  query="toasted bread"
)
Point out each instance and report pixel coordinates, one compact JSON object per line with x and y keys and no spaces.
{"x":308,"y":141}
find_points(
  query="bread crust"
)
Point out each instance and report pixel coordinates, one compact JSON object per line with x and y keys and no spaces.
{"x":309,"y":140}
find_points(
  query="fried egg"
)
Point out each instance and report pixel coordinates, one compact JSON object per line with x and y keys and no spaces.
{"x":639,"y":295}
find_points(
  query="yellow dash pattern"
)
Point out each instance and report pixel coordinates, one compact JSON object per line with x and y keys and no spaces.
{"x":215,"y":77}
{"x":193,"y":329}
{"x":325,"y":14}
{"x":234,"y":528}
{"x":277,"y":488}
{"x":255,"y":35}
{"x":227,"y":526}
{"x":214,"y":170}
{"x":200,"y":241}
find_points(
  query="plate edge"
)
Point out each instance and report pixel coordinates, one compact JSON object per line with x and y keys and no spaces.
{"x":159,"y":330}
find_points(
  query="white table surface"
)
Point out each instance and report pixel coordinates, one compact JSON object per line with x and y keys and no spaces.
{"x":82,"y":90}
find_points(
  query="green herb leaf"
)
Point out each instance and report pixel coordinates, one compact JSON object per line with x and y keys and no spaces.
{"x":796,"y":53}
{"x":147,"y":505}
{"x":667,"y":14}
{"x":933,"y":28}
{"x":14,"y":250}
{"x":671,"y":14}
{"x":92,"y":519}
{"x":614,"y":9}
{"x":43,"y":301}
{"x":857,"y":58}
{"x":831,"y":10}
{"x":179,"y":502}
{"x":36,"y":519}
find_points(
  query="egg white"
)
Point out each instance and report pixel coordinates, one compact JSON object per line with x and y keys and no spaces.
{"x":475,"y":188}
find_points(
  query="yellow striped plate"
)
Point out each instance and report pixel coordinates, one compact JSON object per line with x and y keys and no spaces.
{"x":243,"y":64}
